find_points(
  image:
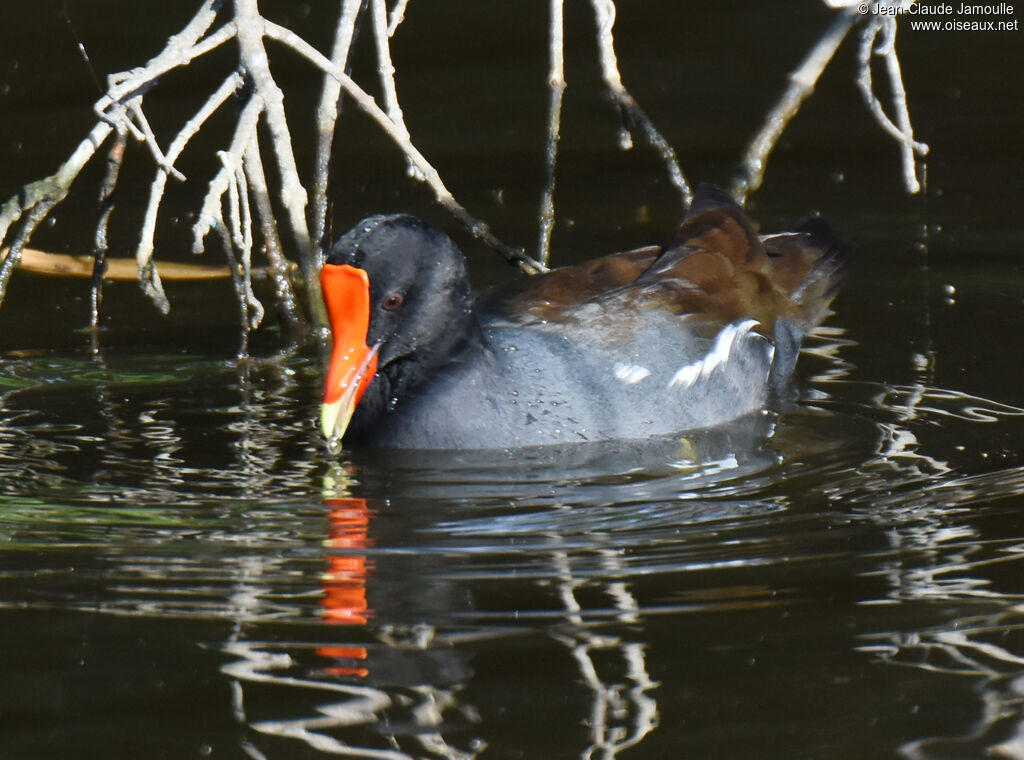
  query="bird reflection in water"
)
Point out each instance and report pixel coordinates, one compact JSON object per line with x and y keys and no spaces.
{"x":344,"y":581}
{"x":406,"y":682}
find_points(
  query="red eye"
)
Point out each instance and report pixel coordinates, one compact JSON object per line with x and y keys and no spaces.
{"x":392,"y":301}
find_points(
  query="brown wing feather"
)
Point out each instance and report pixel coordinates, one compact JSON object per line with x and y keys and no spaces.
{"x":716,"y":271}
{"x":548,"y":296}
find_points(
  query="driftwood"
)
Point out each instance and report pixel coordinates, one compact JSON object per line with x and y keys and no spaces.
{"x":119,"y":269}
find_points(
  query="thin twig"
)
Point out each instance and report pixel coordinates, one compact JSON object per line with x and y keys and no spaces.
{"x":180,"y":50}
{"x":801,"y":84}
{"x":386,"y":72}
{"x":904,"y":132}
{"x":138,"y":118}
{"x":236,"y":280}
{"x":397,"y":17}
{"x":633,"y":116}
{"x":240,"y":213}
{"x":326,"y":119}
{"x":556,"y":84}
{"x":115,"y":158}
{"x":211,"y":214}
{"x":33,"y":216}
{"x":144,"y":251}
{"x":430,"y":175}
{"x":279,"y":268}
{"x":253,"y":56}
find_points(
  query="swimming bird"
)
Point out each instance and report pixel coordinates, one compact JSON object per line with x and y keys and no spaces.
{"x":632,"y":345}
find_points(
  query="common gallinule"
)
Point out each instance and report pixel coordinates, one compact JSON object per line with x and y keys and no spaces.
{"x":629,"y":346}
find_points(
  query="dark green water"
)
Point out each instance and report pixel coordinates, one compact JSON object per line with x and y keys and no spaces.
{"x":185,"y":572}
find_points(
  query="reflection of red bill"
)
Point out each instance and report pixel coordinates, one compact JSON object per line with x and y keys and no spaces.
{"x":353,"y":363}
{"x":344,"y":582}
{"x":345,"y":653}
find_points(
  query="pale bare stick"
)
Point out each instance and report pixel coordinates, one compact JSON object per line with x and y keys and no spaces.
{"x":908,"y":146}
{"x":633,"y":116}
{"x":430,"y":175}
{"x":235,"y":241}
{"x":556,"y":84}
{"x":211,"y":213}
{"x":115,"y":159}
{"x":386,"y":72}
{"x":326,"y":120}
{"x":253,"y":56}
{"x":227,"y":246}
{"x":180,"y":50}
{"x":802,"y":82}
{"x":138,"y":118}
{"x":904,"y":132}
{"x":279,"y":268}
{"x":34,"y":201}
{"x":242,"y":241}
{"x":144,"y":251}
{"x":397,"y":17}
{"x":30,"y":221}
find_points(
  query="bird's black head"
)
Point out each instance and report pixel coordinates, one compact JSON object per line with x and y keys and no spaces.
{"x":419,"y":308}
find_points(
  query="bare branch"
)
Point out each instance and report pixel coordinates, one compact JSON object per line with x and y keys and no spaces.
{"x":904,"y":132}
{"x":34,"y":215}
{"x":115,"y":158}
{"x":181,"y":49}
{"x":633,"y":116}
{"x":397,"y":17}
{"x":211,"y":215}
{"x":240,"y":214}
{"x":35,"y":200}
{"x":326,"y":119}
{"x":144,"y":252}
{"x":279,"y":269}
{"x":386,"y":71}
{"x":253,"y":56}
{"x":430,"y":175}
{"x":801,"y":84}
{"x":556,"y":83}
{"x":138,"y":118}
